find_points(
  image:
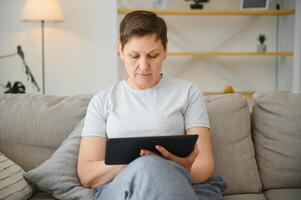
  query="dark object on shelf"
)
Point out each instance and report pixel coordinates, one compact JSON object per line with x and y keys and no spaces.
{"x":254,"y":4}
{"x":198,"y":4}
{"x":261,"y":47}
{"x":18,"y":87}
{"x":261,"y":38}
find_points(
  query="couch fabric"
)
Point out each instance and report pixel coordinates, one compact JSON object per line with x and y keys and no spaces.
{"x":37,"y":125}
{"x":277,"y":128}
{"x":280,"y":194}
{"x":39,"y":195}
{"x":232,"y":144}
{"x":245,"y":197}
{"x":58,"y":174}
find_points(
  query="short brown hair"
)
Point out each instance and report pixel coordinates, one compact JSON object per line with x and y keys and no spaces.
{"x":141,"y":23}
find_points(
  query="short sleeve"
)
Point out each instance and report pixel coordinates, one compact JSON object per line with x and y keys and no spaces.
{"x":196,"y":111}
{"x":95,"y":120}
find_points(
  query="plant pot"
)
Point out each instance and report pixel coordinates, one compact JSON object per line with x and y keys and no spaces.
{"x":261,"y":48}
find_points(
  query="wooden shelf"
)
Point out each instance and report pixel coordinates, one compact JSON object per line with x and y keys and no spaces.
{"x":210,"y":11}
{"x":210,"y":54}
{"x":247,"y":94}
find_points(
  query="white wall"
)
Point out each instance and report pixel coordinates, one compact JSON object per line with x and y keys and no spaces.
{"x":297,"y":58}
{"x":227,"y":33}
{"x":80,"y":53}
{"x":286,"y":43}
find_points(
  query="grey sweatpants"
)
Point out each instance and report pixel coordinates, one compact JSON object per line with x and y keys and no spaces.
{"x":152,"y":178}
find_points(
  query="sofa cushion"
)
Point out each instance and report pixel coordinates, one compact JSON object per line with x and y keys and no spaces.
{"x":12,"y":184}
{"x":280,"y":194}
{"x":233,"y":149}
{"x":35,"y":125}
{"x":58,"y":175}
{"x":245,"y":197}
{"x":276,"y":121}
{"x":41,"y":196}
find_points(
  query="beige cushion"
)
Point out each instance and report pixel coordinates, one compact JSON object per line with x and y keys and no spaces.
{"x":58,"y":175}
{"x":276,"y":120}
{"x":12,"y":184}
{"x":281,"y":194}
{"x":232,"y":144}
{"x":245,"y":197}
{"x":35,"y":125}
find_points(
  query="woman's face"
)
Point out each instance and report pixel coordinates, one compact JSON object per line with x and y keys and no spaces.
{"x":142,"y":58}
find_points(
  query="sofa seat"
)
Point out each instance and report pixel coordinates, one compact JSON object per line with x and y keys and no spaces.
{"x":280,"y":194}
{"x":245,"y":197}
{"x":276,"y":194}
{"x":41,"y":196}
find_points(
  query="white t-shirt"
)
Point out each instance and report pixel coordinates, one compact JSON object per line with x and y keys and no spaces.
{"x":169,"y":108}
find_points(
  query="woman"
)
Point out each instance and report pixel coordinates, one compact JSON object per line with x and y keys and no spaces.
{"x":147,"y":104}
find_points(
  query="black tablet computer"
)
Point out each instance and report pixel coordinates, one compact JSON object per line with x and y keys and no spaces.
{"x":125,"y":150}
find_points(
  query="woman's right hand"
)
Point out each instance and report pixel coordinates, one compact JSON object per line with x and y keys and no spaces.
{"x":186,"y":162}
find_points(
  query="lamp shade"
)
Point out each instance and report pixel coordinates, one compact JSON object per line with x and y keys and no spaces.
{"x":42,"y":10}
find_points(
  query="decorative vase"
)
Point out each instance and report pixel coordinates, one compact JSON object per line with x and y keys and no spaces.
{"x":228,"y":89}
{"x":261,"y":48}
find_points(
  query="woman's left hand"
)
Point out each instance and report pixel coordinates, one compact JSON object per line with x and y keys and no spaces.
{"x":186,"y":162}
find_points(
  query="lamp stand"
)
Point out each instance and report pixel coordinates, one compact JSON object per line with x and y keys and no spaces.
{"x":43,"y":56}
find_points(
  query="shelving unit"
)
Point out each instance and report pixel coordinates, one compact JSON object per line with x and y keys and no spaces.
{"x":218,"y":12}
{"x":247,"y":94}
{"x":211,"y":12}
{"x":211,"y":54}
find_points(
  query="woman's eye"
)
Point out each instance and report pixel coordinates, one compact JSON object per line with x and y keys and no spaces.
{"x":134,"y":56}
{"x":153,"y":56}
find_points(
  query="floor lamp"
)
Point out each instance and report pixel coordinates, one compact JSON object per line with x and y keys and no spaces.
{"x":42,"y":11}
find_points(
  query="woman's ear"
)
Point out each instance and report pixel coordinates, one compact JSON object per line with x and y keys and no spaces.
{"x":120,"y":51}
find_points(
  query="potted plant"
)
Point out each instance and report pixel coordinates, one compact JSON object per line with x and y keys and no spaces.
{"x":261,"y":47}
{"x":19,"y":87}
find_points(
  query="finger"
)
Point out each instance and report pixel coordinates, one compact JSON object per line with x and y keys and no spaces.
{"x":195,"y":150}
{"x":194,"y":153}
{"x":145,"y":152}
{"x":165,"y":152}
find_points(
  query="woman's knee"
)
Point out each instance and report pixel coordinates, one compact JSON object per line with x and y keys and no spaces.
{"x":155,"y":165}
{"x":153,"y":173}
{"x":149,"y":163}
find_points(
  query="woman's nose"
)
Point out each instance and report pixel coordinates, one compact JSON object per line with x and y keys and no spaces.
{"x":143,"y":63}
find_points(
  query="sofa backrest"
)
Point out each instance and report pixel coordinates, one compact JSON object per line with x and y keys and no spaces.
{"x":276,"y":126}
{"x":33,"y":126}
{"x":232,"y":143}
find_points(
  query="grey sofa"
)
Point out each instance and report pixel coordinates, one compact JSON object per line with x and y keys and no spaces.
{"x":257,"y":149}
